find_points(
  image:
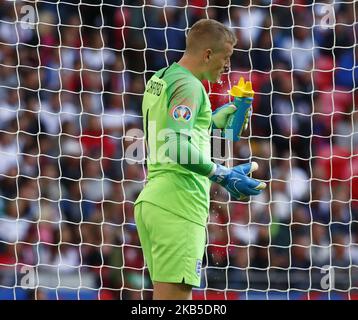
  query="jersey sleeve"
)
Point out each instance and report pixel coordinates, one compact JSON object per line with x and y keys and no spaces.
{"x":203,"y":166}
{"x":184,"y":105}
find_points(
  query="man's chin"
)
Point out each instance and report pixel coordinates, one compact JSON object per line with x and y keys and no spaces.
{"x":219,"y":80}
{"x":216,"y":80}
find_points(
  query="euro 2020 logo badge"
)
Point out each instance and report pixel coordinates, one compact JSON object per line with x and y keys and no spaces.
{"x":182,"y":113}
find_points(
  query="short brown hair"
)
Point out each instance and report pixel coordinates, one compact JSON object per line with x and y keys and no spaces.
{"x":211,"y":33}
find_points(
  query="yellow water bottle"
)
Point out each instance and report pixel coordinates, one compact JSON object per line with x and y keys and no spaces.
{"x":243,"y":96}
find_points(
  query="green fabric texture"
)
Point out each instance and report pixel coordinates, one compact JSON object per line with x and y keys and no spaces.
{"x":173,"y":246}
{"x":188,"y":156}
{"x":176,"y":102}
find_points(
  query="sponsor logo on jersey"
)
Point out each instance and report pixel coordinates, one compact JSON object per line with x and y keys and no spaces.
{"x":181,"y":113}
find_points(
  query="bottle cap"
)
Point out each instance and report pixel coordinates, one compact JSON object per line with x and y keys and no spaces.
{"x":242,"y":89}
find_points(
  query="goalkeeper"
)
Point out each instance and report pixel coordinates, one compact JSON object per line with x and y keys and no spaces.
{"x":172,"y":209}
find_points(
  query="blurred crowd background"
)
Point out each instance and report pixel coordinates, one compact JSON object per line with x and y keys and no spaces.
{"x":70,"y":90}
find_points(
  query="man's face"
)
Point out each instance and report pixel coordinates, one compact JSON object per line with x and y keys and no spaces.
{"x":219,"y":62}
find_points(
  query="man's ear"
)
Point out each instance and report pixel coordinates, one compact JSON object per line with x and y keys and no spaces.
{"x":207,"y":55}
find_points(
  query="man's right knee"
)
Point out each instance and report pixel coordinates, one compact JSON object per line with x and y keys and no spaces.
{"x":172,"y":291}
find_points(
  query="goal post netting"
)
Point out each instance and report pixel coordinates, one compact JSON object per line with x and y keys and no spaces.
{"x":72,"y":160}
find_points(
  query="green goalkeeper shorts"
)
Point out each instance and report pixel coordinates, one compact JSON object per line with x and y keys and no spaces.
{"x":173,"y":247}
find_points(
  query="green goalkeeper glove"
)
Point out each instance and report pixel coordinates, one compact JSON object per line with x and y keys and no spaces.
{"x":220,"y":115}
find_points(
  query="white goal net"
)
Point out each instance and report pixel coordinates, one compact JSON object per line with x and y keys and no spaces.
{"x":72,"y":76}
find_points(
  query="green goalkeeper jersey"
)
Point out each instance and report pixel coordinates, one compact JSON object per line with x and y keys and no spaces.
{"x":176,"y":101}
